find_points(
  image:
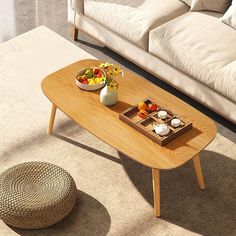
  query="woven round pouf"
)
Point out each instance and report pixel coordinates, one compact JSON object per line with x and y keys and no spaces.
{"x":35,"y":195}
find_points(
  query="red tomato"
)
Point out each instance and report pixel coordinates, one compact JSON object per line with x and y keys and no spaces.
{"x":99,"y":75}
{"x":152,"y":106}
{"x":81,"y":78}
{"x":96,"y":70}
{"x":84,"y":81}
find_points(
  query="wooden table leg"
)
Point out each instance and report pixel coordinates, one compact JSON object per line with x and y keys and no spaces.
{"x":52,"y":118}
{"x":156,"y":191}
{"x":75,"y":32}
{"x":198,"y":170}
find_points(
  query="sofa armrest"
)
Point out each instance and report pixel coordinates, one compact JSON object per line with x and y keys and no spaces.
{"x":77,"y":6}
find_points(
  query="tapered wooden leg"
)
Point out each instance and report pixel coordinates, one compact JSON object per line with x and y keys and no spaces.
{"x":52,"y":118}
{"x":75,"y":32}
{"x":156,"y":191}
{"x":198,"y":170}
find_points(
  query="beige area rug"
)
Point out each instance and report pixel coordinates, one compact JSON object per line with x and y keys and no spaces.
{"x":114,"y":192}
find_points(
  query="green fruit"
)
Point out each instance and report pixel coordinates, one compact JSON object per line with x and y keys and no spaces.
{"x":88,"y":73}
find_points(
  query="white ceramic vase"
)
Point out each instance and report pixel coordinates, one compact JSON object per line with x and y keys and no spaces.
{"x":108,"y":95}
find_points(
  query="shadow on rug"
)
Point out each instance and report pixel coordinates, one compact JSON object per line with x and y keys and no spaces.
{"x":87,"y":216}
{"x":208,"y":212}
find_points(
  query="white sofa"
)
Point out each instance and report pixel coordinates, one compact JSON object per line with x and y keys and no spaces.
{"x":193,"y":51}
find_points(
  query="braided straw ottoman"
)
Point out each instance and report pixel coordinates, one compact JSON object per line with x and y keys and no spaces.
{"x":35,"y":195}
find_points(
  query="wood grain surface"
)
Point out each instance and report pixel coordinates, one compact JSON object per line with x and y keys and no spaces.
{"x":85,"y":109}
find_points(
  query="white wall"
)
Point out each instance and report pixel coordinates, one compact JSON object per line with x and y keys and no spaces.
{"x":7,"y":20}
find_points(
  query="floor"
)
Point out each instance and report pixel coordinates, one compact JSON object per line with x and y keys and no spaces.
{"x":19,"y":16}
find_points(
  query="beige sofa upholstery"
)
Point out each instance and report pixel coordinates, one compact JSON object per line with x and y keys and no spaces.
{"x":198,"y":44}
{"x":133,"y":19}
{"x":78,"y":6}
{"x":154,"y":64}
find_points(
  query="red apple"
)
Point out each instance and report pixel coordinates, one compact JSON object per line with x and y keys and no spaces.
{"x":152,"y":106}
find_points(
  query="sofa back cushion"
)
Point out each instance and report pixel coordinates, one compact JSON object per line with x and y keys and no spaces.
{"x":229,"y":17}
{"x":133,"y":19}
{"x":210,"y":5}
{"x":188,"y":2}
{"x":201,"y":46}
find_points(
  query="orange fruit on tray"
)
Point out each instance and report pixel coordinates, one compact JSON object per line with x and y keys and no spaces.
{"x":143,"y":114}
{"x":142,"y":106}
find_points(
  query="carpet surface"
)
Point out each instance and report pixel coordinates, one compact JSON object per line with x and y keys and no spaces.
{"x":114,"y":192}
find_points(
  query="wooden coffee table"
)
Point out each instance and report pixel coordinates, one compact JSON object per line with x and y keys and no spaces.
{"x":85,"y":109}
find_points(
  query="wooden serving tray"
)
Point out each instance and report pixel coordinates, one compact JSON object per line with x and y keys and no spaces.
{"x":145,"y":126}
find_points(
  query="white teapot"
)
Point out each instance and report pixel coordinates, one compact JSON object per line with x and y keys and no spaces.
{"x":161,"y":129}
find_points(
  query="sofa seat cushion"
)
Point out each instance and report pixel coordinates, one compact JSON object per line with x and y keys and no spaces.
{"x":201,"y":46}
{"x":133,"y":19}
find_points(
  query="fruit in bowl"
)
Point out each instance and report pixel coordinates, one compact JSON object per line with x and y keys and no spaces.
{"x":91,"y":78}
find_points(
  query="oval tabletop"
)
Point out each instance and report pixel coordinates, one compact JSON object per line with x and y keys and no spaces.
{"x":85,"y":109}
